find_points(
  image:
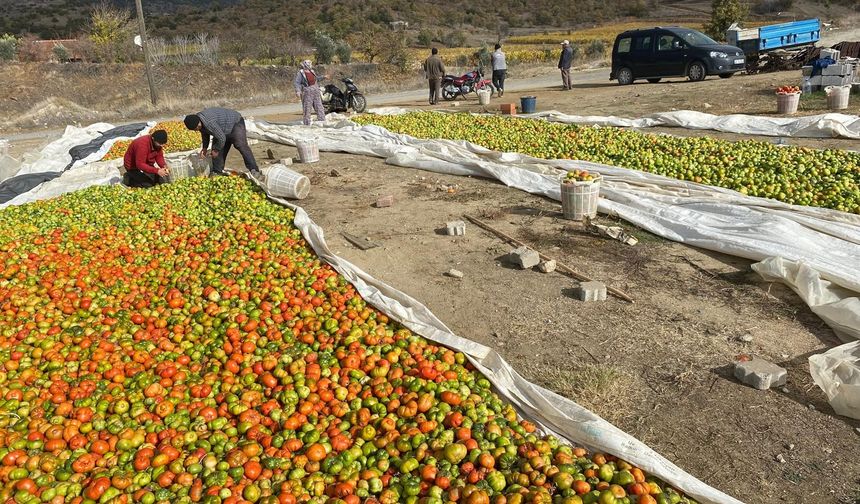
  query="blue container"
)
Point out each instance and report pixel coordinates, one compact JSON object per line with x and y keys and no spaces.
{"x":527,"y":104}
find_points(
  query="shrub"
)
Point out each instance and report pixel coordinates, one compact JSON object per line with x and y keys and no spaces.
{"x":425,"y":37}
{"x":61,"y":53}
{"x":596,"y":49}
{"x":8,"y":47}
{"x":344,"y":51}
{"x":326,"y":48}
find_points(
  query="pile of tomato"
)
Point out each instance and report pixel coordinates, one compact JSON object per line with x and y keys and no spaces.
{"x":179,"y":139}
{"x":183,"y":344}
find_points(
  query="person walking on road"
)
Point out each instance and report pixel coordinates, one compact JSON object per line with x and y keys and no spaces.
{"x":226,"y":127}
{"x":564,"y":62}
{"x":434,"y":70}
{"x":141,"y":158}
{"x":308,"y":89}
{"x":500,"y":69}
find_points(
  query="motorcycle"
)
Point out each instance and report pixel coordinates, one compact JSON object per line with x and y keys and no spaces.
{"x":335,"y":100}
{"x":470,"y":82}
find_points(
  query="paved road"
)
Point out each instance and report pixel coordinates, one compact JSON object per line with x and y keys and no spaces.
{"x":598,"y":75}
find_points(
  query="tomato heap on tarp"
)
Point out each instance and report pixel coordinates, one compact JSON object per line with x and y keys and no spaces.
{"x":797,"y":175}
{"x":184,"y":344}
{"x":179,"y":139}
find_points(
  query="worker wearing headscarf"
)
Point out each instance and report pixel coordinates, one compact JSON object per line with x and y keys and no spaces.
{"x":308,"y":89}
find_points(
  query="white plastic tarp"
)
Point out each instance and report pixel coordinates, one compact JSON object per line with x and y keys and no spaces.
{"x":837,"y":373}
{"x":831,"y":125}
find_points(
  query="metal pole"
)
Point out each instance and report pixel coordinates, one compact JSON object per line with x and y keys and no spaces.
{"x":142,"y":25}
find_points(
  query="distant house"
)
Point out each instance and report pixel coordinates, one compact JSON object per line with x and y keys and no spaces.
{"x":43,"y":50}
{"x":399,"y":25}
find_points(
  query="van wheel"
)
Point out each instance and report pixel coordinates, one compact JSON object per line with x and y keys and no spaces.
{"x":655,"y":80}
{"x":696,"y":72}
{"x":726,"y":76}
{"x":625,"y":76}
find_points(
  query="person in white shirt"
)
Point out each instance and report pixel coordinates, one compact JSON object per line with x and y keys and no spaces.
{"x":500,"y":69}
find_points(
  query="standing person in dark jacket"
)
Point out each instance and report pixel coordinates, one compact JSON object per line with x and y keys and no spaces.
{"x":308,"y":89}
{"x":564,"y":62}
{"x":227,"y":128}
{"x":500,"y":69}
{"x":141,"y":158}
{"x":434,"y":69}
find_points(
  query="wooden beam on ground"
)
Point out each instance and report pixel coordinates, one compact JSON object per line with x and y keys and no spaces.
{"x":560,"y":265}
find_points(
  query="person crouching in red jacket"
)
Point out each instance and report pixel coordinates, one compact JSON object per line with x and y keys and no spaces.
{"x":140,"y":160}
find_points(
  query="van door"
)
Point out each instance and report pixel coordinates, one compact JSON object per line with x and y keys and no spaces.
{"x":642,"y":54}
{"x":671,"y":55}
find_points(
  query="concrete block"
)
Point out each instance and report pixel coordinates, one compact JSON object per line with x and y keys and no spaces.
{"x":837,"y":69}
{"x":835,"y":80}
{"x":830,"y":53}
{"x":591,"y":291}
{"x":455,"y":228}
{"x":759,"y":373}
{"x":815,"y":80}
{"x":547,"y":266}
{"x":287,"y":161}
{"x":385,"y":201}
{"x":508,"y":108}
{"x":454,"y":273}
{"x":525,"y":257}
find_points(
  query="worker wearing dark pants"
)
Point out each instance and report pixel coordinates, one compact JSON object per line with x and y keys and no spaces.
{"x":144,"y":161}
{"x":238,"y":137}
{"x":226,"y":128}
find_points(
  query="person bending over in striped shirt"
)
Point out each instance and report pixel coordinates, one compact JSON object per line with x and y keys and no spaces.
{"x":226,"y":128}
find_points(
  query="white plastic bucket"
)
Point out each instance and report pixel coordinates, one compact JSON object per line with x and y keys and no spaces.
{"x":484,"y":97}
{"x":308,"y":151}
{"x":579,"y":198}
{"x":837,"y":97}
{"x":285,"y":183}
{"x":787,"y":103}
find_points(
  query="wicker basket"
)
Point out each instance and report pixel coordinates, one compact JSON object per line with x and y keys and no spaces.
{"x":787,"y":103}
{"x":308,"y":151}
{"x":285,"y":183}
{"x":579,"y":198}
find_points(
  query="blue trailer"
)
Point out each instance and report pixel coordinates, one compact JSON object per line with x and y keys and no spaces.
{"x":774,"y":47}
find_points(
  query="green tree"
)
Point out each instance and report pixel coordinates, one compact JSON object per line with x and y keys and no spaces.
{"x":723,"y":14}
{"x":425,"y":37}
{"x":325,"y":46}
{"x":344,"y":51}
{"x":111,"y":32}
{"x":8,"y":47}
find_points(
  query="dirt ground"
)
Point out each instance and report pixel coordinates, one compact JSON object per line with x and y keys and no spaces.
{"x":659,"y":368}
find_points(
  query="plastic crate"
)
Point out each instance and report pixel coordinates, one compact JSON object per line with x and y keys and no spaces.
{"x":285,"y":183}
{"x":787,"y":103}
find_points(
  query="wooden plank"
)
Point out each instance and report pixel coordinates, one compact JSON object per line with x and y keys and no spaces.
{"x":361,"y":243}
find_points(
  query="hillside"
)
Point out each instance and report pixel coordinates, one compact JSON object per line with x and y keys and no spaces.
{"x":65,"y":18}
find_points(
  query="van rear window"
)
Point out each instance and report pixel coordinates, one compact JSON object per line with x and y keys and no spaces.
{"x":624,"y":45}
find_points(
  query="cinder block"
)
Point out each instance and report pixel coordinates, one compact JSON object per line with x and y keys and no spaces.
{"x":385,"y":201}
{"x":830,"y":53}
{"x":760,"y":374}
{"x":287,"y":161}
{"x":834,"y":80}
{"x":591,"y":291}
{"x":815,"y":80}
{"x":508,"y":108}
{"x":455,"y":228}
{"x":525,"y":257}
{"x":837,"y":69}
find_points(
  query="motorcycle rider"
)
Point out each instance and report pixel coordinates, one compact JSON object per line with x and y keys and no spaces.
{"x":434,"y":70}
{"x":308,"y":89}
{"x":500,"y":69}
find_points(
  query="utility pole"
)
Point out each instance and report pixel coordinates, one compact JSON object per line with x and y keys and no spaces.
{"x":142,"y":25}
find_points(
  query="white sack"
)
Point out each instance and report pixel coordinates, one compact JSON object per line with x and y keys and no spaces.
{"x":829,"y":125}
{"x":837,"y":372}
